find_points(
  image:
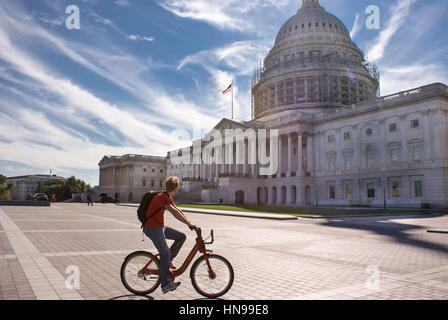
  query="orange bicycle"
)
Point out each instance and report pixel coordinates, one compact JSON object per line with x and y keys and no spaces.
{"x":211,"y":274}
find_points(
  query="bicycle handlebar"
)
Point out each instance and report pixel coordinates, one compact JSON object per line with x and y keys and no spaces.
{"x":199,"y":234}
{"x":213,"y":238}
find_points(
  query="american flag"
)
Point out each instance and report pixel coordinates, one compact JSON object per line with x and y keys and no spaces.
{"x":229,"y":89}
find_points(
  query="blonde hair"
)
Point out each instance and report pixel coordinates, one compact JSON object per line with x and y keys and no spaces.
{"x":171,"y":183}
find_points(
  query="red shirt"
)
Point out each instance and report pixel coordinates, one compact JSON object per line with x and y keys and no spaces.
{"x":159,"y":201}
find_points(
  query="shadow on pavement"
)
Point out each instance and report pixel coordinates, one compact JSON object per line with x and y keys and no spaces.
{"x":211,"y":299}
{"x":132,"y":297}
{"x":384,"y":226}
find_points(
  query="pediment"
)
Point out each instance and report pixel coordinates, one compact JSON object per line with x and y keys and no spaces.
{"x":229,"y":124}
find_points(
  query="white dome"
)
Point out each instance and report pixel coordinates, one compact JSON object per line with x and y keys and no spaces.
{"x":311,"y":19}
{"x":314,"y":64}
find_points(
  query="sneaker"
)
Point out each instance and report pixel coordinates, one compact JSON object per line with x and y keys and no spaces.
{"x":170,"y":287}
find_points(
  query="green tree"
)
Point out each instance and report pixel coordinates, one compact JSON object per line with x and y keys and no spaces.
{"x":5,"y":188}
{"x":62,"y":189}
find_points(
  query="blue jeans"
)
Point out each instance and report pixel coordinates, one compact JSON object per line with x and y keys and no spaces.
{"x":158,"y":235}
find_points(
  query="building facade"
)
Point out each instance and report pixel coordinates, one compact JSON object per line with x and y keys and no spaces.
{"x":129,"y":177}
{"x":24,"y":185}
{"x":340,"y":143}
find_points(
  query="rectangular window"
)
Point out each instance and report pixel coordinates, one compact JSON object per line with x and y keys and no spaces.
{"x":348,"y":191}
{"x":418,"y":189}
{"x":370,"y":155}
{"x":347,"y":161}
{"x":395,"y":156}
{"x":416,"y":154}
{"x":395,"y":190}
{"x":144,"y":182}
{"x":331,"y":138}
{"x":332,"y":192}
{"x":331,"y":163}
{"x":414,"y":123}
{"x":370,"y":191}
{"x":346,"y":135}
{"x":393,"y":127}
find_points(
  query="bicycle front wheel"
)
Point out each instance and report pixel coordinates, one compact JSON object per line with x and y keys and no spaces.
{"x":137,"y":280}
{"x":212,"y":284}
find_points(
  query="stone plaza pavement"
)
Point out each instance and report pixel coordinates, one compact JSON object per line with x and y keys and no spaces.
{"x":337,"y":258}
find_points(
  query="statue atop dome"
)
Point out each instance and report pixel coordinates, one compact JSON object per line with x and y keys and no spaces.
{"x":310,"y":4}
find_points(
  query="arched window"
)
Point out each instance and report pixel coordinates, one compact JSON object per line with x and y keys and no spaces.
{"x":370,"y":157}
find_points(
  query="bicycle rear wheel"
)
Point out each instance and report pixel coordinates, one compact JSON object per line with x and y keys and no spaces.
{"x":212,"y":286}
{"x":133,"y":279}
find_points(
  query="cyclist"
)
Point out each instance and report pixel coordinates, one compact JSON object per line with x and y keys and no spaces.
{"x":156,"y":230}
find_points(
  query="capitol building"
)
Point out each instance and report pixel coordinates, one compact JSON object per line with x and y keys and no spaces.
{"x":339,"y":142}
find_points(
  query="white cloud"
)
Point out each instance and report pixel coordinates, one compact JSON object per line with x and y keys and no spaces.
{"x":396,"y":79}
{"x":239,"y":15}
{"x":403,"y":61}
{"x":357,"y":27}
{"x":60,"y":145}
{"x":233,"y":61}
{"x":137,"y":37}
{"x":53,"y":22}
{"x":114,"y":64}
{"x":100,"y":19}
{"x":124,"y":3}
{"x":240,"y":57}
{"x":399,"y":13}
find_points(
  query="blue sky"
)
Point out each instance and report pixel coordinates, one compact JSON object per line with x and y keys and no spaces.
{"x":145,"y":77}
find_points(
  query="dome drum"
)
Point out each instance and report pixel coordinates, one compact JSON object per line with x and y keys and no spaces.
{"x":313,"y":67}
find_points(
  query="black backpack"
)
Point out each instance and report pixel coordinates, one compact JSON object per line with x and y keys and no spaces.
{"x":143,"y":207}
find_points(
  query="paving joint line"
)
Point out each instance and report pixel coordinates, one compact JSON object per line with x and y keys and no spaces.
{"x":44,"y":279}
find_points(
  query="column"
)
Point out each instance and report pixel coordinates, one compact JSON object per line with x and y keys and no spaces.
{"x":289,"y":155}
{"x":224,"y":167}
{"x":299,"y":155}
{"x":203,"y":170}
{"x":318,"y":160}
{"x":384,"y":156}
{"x":268,"y":195}
{"x":210,"y":168}
{"x":245,"y":157}
{"x":280,"y":150}
{"x":309,"y":146}
{"x":217,"y":171}
{"x":288,"y":195}
{"x":279,"y":196}
{"x":427,"y":125}
{"x":404,"y":143}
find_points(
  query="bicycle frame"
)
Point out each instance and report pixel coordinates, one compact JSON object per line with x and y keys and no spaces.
{"x":198,"y":247}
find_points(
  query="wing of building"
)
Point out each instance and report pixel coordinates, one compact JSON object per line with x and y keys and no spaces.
{"x":339,"y":143}
{"x":24,"y":185}
{"x":130,"y":176}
